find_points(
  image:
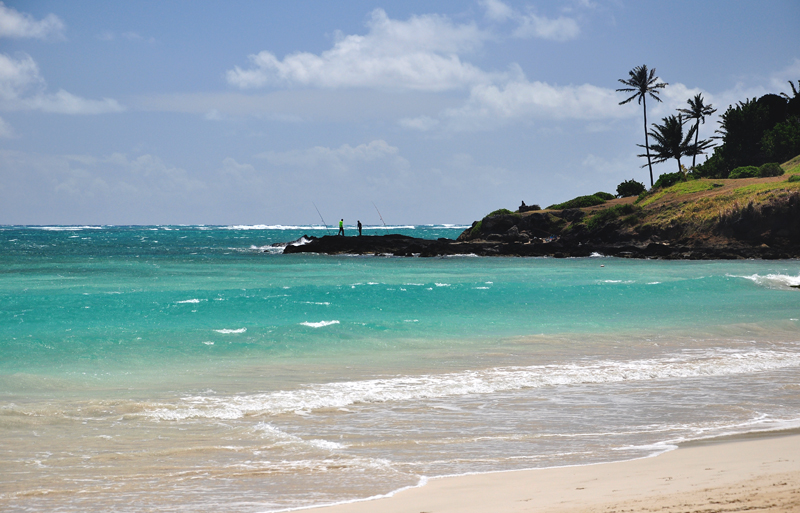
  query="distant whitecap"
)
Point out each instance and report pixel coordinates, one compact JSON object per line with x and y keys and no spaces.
{"x":320,"y":324}
{"x":227,"y":331}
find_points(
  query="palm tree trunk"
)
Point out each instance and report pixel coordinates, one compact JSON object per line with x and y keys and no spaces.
{"x":679,"y":164}
{"x":646,"y":141}
{"x":696,"y":138}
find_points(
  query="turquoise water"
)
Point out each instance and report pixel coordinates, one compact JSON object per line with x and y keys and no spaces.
{"x":189,"y":367}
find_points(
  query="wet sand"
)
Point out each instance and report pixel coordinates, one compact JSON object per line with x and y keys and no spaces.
{"x":745,"y":473}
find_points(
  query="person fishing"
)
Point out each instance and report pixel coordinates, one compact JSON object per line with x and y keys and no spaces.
{"x":341,"y":227}
{"x":359,"y":228}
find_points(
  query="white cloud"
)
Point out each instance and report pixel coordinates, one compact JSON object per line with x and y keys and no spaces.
{"x":115,"y":188}
{"x":497,"y":10}
{"x":559,"y":29}
{"x":18,"y":25}
{"x":421,"y":123}
{"x":23,"y":88}
{"x":18,"y":76}
{"x":490,"y":105}
{"x":418,"y":54}
{"x":342,"y":158}
{"x":531,"y":25}
{"x":145,"y":176}
{"x":780,"y":80}
{"x":235,"y":170}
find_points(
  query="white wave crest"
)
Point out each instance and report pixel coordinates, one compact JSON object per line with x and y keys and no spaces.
{"x":320,"y":324}
{"x":487,"y":381}
{"x":193,"y":301}
{"x":65,"y":228}
{"x":228,"y":331}
{"x":773,"y":281}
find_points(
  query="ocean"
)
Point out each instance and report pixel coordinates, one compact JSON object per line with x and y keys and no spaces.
{"x":196,"y":368}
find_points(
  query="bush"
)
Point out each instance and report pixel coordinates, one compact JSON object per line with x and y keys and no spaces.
{"x":744,"y":172}
{"x":770,"y":169}
{"x":604,"y":195}
{"x":579,"y":202}
{"x":669,"y":179}
{"x":630,"y":188}
{"x":476,"y":230}
{"x":499,"y":212}
{"x":794,"y":178}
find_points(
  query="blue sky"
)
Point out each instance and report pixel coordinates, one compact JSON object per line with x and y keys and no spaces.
{"x":211,"y":112}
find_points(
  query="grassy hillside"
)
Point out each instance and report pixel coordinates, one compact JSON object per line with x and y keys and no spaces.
{"x":719,"y":211}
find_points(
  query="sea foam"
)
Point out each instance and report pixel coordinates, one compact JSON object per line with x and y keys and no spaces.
{"x":501,"y":379}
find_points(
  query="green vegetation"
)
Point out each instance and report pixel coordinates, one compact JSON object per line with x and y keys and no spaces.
{"x":476,"y":230}
{"x":670,"y":143}
{"x":604,"y":195}
{"x":755,"y":132}
{"x":630,"y":188}
{"x":770,"y":169}
{"x":683,"y":188}
{"x":579,"y":202}
{"x":643,"y":83}
{"x":609,"y":214}
{"x":766,"y":170}
{"x":794,"y":178}
{"x":679,"y":189}
{"x":698,"y":111}
{"x":670,"y":179}
{"x":499,"y":212}
{"x":744,"y":172}
{"x":793,"y":166}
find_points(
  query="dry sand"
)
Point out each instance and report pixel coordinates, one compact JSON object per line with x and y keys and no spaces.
{"x":747,"y":473}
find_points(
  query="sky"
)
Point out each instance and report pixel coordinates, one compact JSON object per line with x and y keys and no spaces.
{"x":263,"y":112}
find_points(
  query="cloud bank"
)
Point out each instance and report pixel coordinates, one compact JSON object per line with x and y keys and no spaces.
{"x":15,"y":24}
{"x":23,"y":88}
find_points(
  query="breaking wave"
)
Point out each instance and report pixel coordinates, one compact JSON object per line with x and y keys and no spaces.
{"x":487,"y":381}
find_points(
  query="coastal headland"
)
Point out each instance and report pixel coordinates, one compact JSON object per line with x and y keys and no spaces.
{"x":697,"y":220}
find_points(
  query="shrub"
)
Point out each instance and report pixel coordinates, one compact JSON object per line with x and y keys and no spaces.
{"x":499,"y":212}
{"x":476,"y":230}
{"x":579,"y":202}
{"x":669,"y":179}
{"x":744,"y":172}
{"x":770,"y":169}
{"x":794,"y":178}
{"x":630,"y":188}
{"x":604,"y":195}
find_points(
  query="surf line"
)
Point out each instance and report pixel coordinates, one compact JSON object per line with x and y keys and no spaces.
{"x":320,"y":216}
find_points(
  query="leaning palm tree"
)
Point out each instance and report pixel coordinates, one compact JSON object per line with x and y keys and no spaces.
{"x":698,"y":111}
{"x":641,"y":84}
{"x":670,"y":142}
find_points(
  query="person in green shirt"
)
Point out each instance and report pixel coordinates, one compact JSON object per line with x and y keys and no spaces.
{"x":341,"y":227}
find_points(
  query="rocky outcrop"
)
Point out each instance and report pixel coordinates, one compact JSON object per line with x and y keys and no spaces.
{"x":399,"y":245}
{"x":768,"y":230}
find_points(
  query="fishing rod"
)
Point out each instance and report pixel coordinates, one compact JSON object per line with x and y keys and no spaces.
{"x":379,"y":215}
{"x":320,"y":216}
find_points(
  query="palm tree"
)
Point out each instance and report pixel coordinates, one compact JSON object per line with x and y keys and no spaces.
{"x":641,"y":84}
{"x":698,"y":111}
{"x":670,"y":142}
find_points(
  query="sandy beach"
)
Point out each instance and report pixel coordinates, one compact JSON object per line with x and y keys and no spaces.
{"x":746,"y":473}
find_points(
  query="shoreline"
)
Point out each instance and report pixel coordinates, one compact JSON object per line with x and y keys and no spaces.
{"x":757,"y":470}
